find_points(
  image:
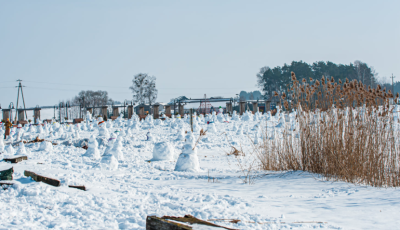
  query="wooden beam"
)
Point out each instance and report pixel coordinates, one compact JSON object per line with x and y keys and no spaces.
{"x":78,"y":187}
{"x":156,"y":223}
{"x":43,"y":179}
{"x":177,"y":223}
{"x":193,"y":220}
{"x":15,"y":160}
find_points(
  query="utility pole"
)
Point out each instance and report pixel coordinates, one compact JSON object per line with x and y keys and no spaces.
{"x":23,"y":99}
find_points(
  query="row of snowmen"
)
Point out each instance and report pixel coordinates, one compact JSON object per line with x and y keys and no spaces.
{"x":21,"y":150}
{"x":187,"y":161}
{"x":113,"y":151}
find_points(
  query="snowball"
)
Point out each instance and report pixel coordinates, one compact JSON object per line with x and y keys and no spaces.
{"x":46,"y":146}
{"x":163,"y":151}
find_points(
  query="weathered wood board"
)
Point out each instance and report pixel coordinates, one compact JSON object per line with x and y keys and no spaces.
{"x":157,"y":223}
{"x":78,"y":187}
{"x":43,"y":179}
{"x":177,"y":223}
{"x":15,"y":159}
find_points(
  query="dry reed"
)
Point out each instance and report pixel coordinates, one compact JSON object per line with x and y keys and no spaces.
{"x":343,"y":131}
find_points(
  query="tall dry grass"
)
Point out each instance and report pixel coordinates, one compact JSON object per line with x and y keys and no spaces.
{"x":342,"y":131}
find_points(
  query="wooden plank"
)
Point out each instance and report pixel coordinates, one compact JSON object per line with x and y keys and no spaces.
{"x":7,"y":174}
{"x":43,"y":179}
{"x":193,"y":220}
{"x":78,"y":187}
{"x":157,"y":223}
{"x":15,"y":160}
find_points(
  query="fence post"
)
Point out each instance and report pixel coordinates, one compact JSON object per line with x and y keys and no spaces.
{"x":242,"y":107}
{"x":36,"y":115}
{"x":168,"y":110}
{"x":156,"y":114}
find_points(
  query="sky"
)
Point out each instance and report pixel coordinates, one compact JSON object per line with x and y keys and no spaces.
{"x":59,"y":48}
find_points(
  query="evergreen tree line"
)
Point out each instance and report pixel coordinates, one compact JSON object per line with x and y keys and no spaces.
{"x":278,"y":78}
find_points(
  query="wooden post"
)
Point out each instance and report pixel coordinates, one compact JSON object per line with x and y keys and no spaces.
{"x":21,"y":114}
{"x":36,"y":115}
{"x":267,"y":106}
{"x":104,"y":111}
{"x":156,"y":114}
{"x":181,"y":110}
{"x":130,"y":111}
{"x":168,"y":110}
{"x":242,"y":107}
{"x":229,"y":107}
{"x":255,"y":107}
{"x":141,"y":110}
{"x":115,"y":111}
{"x":6,"y":114}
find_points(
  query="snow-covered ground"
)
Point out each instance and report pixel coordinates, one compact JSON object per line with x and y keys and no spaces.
{"x":135,"y":179}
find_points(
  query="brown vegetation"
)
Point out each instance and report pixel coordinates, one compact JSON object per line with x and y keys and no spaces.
{"x":345,"y":131}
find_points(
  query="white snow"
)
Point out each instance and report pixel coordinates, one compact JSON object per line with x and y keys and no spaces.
{"x":188,"y":160}
{"x":163,"y":151}
{"x":135,"y":178}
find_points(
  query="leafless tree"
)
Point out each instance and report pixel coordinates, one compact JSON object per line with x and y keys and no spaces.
{"x":150,"y":90}
{"x":91,"y":98}
{"x":144,"y":88}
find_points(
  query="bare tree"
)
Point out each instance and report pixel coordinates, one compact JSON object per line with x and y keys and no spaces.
{"x":150,"y":90}
{"x":144,"y":88}
{"x":138,"y":87}
{"x":91,"y":98}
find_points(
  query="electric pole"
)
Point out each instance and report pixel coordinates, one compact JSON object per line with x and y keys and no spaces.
{"x":23,"y":99}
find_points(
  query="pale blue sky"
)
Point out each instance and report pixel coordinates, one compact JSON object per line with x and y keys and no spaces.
{"x":192,"y":47}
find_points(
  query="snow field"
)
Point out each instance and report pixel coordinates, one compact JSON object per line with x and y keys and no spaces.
{"x":144,"y":182}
